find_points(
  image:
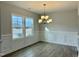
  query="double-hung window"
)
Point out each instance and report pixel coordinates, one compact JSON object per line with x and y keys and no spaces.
{"x":29,"y":26}
{"x":17,"y":27}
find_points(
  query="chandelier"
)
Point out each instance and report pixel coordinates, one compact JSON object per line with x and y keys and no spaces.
{"x":44,"y":18}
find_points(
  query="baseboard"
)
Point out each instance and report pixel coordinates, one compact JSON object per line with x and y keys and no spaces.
{"x":57,"y":43}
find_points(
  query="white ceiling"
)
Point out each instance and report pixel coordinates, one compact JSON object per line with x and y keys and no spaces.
{"x":52,"y":6}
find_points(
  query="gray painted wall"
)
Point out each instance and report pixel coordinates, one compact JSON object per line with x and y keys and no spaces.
{"x":64,"y":21}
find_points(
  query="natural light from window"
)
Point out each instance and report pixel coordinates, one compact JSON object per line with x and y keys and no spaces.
{"x":17,"y":31}
{"x":29,"y":26}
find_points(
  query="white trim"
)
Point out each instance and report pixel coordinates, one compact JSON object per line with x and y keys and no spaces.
{"x":6,"y":35}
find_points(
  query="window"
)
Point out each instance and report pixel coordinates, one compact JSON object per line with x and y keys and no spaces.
{"x":17,"y":31}
{"x":29,"y":26}
{"x":20,"y":27}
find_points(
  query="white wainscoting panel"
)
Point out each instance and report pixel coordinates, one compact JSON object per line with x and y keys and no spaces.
{"x":61,"y":37}
{"x":6,"y":46}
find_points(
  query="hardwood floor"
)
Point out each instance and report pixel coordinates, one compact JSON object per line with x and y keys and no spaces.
{"x":43,"y":49}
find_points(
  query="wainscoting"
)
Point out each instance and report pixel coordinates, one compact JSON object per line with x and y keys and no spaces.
{"x":9,"y":45}
{"x":61,"y":37}
{"x":6,"y":44}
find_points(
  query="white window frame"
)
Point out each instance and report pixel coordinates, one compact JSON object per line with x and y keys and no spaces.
{"x":22,"y":25}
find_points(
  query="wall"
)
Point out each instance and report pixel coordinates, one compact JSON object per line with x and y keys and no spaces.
{"x":0,"y":30}
{"x":63,"y":30}
{"x":8,"y":44}
{"x":78,"y":29}
{"x":64,"y":21}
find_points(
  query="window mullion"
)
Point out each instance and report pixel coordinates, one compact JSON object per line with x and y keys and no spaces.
{"x":24,"y":32}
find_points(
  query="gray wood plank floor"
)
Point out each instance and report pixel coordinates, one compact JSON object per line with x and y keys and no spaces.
{"x":43,"y":49}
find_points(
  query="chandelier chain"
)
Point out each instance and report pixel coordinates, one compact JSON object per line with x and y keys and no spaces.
{"x":44,"y":8}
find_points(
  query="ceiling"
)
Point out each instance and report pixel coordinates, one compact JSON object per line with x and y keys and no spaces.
{"x":51,"y":6}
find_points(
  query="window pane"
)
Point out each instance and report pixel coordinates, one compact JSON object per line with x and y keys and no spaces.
{"x":17,"y":33}
{"x":14,"y":22}
{"x":29,"y":22}
{"x":20,"y":21}
{"x":14,"y":17}
{"x":29,"y":32}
